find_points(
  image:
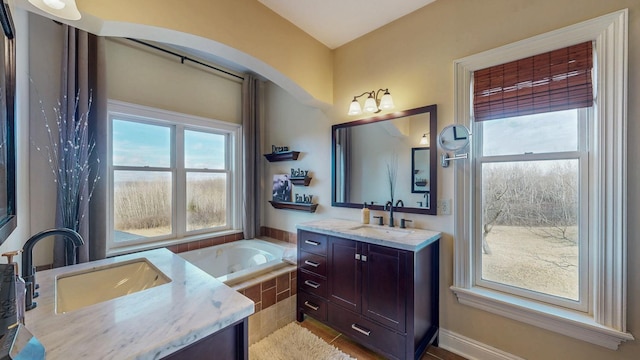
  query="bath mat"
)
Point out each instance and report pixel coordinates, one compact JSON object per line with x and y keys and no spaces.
{"x":294,"y":342}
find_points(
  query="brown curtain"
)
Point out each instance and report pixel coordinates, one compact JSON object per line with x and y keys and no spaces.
{"x":251,"y":118}
{"x":83,"y":98}
{"x":553,"y":81}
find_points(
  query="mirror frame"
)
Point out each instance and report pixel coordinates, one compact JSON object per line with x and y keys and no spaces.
{"x":433,"y":158}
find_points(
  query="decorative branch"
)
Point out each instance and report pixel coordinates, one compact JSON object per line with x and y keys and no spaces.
{"x":392,"y":174}
{"x":68,"y":154}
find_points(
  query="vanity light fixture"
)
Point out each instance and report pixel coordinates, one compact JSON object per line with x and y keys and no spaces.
{"x":64,"y":9}
{"x":372,"y":104}
{"x":424,"y":140}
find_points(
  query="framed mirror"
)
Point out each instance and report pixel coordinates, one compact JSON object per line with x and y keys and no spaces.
{"x":367,"y":153}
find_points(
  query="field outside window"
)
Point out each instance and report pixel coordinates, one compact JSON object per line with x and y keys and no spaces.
{"x":170,"y":180}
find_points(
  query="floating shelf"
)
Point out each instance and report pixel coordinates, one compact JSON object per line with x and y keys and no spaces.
{"x":301,"y":180}
{"x":282,"y":156}
{"x":294,"y":206}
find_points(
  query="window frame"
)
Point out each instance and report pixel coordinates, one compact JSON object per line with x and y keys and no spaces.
{"x":178,"y":123}
{"x":581,"y":154}
{"x":604,"y":321}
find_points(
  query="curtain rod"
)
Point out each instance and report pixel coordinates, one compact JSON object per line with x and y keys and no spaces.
{"x":183,"y":58}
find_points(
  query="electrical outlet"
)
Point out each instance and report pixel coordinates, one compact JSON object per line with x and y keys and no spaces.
{"x":444,"y":207}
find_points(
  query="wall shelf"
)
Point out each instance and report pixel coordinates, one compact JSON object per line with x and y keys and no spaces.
{"x":301,"y":180}
{"x":282,"y":156}
{"x":294,"y":206}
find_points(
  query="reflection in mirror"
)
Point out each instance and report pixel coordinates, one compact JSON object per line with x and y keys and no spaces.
{"x":420,"y":171}
{"x":454,"y":137}
{"x":364,"y":149}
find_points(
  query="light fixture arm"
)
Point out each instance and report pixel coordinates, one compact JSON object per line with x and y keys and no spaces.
{"x":355,"y":98}
{"x":374,"y":103}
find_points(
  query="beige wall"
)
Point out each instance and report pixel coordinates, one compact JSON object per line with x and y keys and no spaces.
{"x":144,"y":76}
{"x":45,"y":42}
{"x":244,"y":25}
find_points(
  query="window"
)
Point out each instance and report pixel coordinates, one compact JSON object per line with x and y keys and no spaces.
{"x":173,"y":177}
{"x":564,"y":193}
{"x":531,"y":231}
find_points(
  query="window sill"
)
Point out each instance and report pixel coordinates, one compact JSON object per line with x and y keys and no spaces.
{"x":131,"y":248}
{"x":566,"y":322}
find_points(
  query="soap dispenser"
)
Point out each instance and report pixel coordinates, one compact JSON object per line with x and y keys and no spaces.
{"x":365,"y":214}
{"x":20,"y":286}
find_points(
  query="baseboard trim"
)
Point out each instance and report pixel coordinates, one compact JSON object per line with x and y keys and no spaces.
{"x":471,"y":349}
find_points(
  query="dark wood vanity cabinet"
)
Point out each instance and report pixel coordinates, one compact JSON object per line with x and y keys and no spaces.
{"x":383,"y":297}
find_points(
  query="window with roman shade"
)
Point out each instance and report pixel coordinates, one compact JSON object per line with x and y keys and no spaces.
{"x":557,"y":158}
{"x":553,"y":81}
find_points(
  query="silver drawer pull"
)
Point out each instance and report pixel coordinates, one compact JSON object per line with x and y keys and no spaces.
{"x":310,"y":306}
{"x":311,"y":242}
{"x":313,"y":284}
{"x":360,"y":330}
{"x":312,"y":263}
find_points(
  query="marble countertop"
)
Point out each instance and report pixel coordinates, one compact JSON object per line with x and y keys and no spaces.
{"x":148,"y":324}
{"x":407,"y":239}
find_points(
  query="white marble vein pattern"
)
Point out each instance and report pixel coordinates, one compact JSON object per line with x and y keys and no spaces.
{"x":148,"y":324}
{"x":406,"y":239}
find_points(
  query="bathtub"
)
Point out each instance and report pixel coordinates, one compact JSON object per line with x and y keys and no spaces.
{"x":233,"y":262}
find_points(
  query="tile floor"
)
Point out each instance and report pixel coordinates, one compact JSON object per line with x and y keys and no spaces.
{"x":361,"y":353}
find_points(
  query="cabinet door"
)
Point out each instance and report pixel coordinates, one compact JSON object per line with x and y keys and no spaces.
{"x":344,"y":273}
{"x":385,"y":287}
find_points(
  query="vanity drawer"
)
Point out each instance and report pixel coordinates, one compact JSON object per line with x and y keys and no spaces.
{"x":367,"y":332}
{"x":313,"y":305}
{"x":312,"y":242}
{"x":312,"y":283}
{"x":313,"y":263}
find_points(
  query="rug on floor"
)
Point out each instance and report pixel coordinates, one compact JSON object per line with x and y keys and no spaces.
{"x":293,"y":342}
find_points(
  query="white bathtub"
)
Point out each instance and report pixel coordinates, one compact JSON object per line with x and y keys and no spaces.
{"x":235,"y":261}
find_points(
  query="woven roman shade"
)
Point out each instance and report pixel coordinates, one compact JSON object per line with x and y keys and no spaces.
{"x":553,"y":81}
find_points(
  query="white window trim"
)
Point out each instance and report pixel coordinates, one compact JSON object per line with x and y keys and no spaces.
{"x":604,"y":323}
{"x":144,"y":114}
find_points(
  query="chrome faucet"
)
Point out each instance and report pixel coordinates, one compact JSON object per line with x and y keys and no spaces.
{"x":389,"y":206}
{"x":29,"y":271}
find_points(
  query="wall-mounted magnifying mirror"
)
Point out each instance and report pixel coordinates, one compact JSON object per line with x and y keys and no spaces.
{"x":453,"y":138}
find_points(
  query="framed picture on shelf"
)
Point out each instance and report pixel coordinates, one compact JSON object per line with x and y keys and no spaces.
{"x":281,"y":188}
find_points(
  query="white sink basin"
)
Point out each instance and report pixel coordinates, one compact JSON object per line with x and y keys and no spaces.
{"x":380,"y":232}
{"x":77,"y":290}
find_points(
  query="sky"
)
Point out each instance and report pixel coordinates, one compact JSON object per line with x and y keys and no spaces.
{"x":541,"y":133}
{"x":138,"y":144}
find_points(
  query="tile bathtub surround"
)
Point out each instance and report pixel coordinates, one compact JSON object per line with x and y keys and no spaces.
{"x":195,"y":245}
{"x":265,"y":322}
{"x":279,"y":234}
{"x":143,"y":325}
{"x":273,"y":288}
{"x":271,"y":312}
